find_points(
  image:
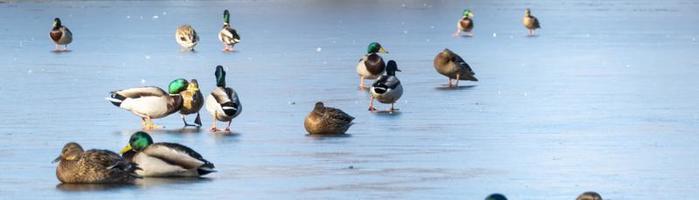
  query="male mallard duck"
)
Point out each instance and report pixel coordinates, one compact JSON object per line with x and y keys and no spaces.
{"x":164,"y":159}
{"x":223,"y":102}
{"x":465,"y":24}
{"x":589,"y":196}
{"x":496,"y":196}
{"x":453,"y":66}
{"x":327,"y":120}
{"x":60,"y":35}
{"x":530,"y":22}
{"x":387,"y":89}
{"x":93,"y":166}
{"x":228,"y":36}
{"x":371,"y":65}
{"x":150,"y":102}
{"x":187,"y":37}
{"x":192,"y":101}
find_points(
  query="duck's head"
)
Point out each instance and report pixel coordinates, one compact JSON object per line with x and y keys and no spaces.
{"x":226,"y":17}
{"x":319,"y":105}
{"x":193,"y":85}
{"x":375,"y":47}
{"x":444,"y":56}
{"x":496,"y":196}
{"x":138,"y":141}
{"x":71,"y":151}
{"x":589,"y":196}
{"x":56,"y":22}
{"x":220,"y":76}
{"x":468,"y":13}
{"x":176,"y":86}
{"x":392,"y":68}
{"x":527,"y":12}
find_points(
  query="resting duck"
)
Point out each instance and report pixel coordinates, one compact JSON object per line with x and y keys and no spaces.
{"x":453,"y":66}
{"x":530,"y":22}
{"x":387,"y":89}
{"x":187,"y":37}
{"x":228,"y":36}
{"x":327,"y":120}
{"x":223,"y":102}
{"x":192,"y":101}
{"x":164,"y":159}
{"x":371,"y":65}
{"x":465,"y":24}
{"x":589,"y":196}
{"x":93,"y":166}
{"x":150,"y":102}
{"x":60,"y":35}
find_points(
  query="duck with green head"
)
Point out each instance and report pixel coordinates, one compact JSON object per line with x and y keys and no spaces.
{"x":465,"y":24}
{"x":223,"y":102}
{"x":164,"y":159}
{"x":386,"y":89}
{"x":228,"y":36}
{"x":60,"y":35}
{"x":371,"y":65}
{"x":453,"y":66}
{"x":186,"y":37}
{"x":93,"y":166}
{"x":150,"y":102}
{"x":192,"y":102}
{"x":530,"y":22}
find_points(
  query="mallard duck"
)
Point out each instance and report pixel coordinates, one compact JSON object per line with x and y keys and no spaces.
{"x":387,"y":89}
{"x":164,"y":159}
{"x":150,"y":102}
{"x":192,"y":101}
{"x":465,"y":24}
{"x":496,"y":196}
{"x":228,"y":36}
{"x":187,"y":37}
{"x":589,"y":196}
{"x":453,"y":66}
{"x":530,"y":22}
{"x":93,"y":166}
{"x":223,"y":102}
{"x":327,"y":120}
{"x":60,"y":35}
{"x":371,"y":65}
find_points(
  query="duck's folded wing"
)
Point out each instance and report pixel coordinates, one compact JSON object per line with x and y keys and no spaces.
{"x":102,"y":158}
{"x":338,"y":114}
{"x":176,"y":154}
{"x":141,"y":92}
{"x":231,"y":33}
{"x":461,"y":63}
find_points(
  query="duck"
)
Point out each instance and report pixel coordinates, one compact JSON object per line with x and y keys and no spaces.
{"x":192,"y":102}
{"x":187,"y":37}
{"x":164,"y":159}
{"x":387,"y":88}
{"x":589,"y":196}
{"x":465,"y":24}
{"x":150,"y":102}
{"x":371,"y":65}
{"x":93,"y":166}
{"x":453,"y":66}
{"x":60,"y":35}
{"x":228,"y":36}
{"x":530,"y":22}
{"x":324,"y":120}
{"x":496,"y":196}
{"x":223,"y":102}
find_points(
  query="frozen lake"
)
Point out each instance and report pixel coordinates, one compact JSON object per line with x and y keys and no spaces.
{"x":604,"y":99}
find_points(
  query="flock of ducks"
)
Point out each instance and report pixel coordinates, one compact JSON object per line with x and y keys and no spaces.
{"x":141,"y":157}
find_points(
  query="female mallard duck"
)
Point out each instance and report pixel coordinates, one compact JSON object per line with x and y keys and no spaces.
{"x":150,"y":102}
{"x":589,"y":196}
{"x":223,"y":102}
{"x":192,"y":101}
{"x":371,"y":65}
{"x":164,"y":159}
{"x":387,"y":89}
{"x":453,"y":66}
{"x":60,"y":35}
{"x":327,"y":120}
{"x":228,"y":36}
{"x":187,"y":37}
{"x":530,"y":22}
{"x":465,"y":24}
{"x":93,"y":166}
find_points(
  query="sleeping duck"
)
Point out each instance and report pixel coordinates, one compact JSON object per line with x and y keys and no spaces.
{"x":465,"y":24}
{"x":453,"y":66}
{"x":387,"y":89}
{"x":192,"y":101}
{"x":150,"y":102}
{"x":164,"y":159}
{"x":530,"y":22}
{"x":228,"y":36}
{"x":60,"y":35}
{"x":371,"y":66}
{"x":223,"y":102}
{"x":327,"y":120}
{"x":93,"y":166}
{"x":187,"y":37}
